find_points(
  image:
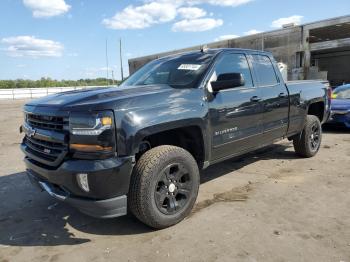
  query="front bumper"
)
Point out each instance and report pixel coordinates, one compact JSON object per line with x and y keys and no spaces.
{"x":108,"y":208}
{"x":337,"y":118}
{"x":108,"y":182}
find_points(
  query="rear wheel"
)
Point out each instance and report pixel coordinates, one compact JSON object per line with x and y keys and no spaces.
{"x":308,"y":142}
{"x":164,"y":186}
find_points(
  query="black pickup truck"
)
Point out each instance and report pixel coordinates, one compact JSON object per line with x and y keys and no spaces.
{"x":140,"y":146}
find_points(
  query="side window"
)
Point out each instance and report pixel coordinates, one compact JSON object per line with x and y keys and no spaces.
{"x":233,"y":63}
{"x":264,"y":70}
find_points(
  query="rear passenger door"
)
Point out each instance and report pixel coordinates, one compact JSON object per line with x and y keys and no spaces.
{"x":275,"y":99}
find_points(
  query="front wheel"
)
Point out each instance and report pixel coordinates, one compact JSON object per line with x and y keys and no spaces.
{"x":308,"y":142}
{"x":164,"y":186}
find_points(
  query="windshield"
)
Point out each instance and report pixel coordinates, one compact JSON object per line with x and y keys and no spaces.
{"x":342,"y":92}
{"x":183,"y":71}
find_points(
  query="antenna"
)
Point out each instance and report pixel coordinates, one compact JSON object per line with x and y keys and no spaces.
{"x":121,"y":59}
{"x":107,"y":61}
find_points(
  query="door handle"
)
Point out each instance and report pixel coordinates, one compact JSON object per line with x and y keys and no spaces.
{"x":255,"y":99}
{"x":282,"y":95}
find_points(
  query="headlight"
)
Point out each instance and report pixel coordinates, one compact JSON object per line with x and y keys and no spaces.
{"x":90,"y":125}
{"x":92,"y":135}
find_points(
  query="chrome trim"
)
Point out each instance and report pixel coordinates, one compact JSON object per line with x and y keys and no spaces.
{"x":339,"y":112}
{"x":48,"y":189}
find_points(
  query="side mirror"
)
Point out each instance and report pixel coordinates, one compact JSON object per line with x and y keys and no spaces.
{"x":227,"y":81}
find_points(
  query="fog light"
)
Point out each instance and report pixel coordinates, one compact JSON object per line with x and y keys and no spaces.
{"x":83,"y":182}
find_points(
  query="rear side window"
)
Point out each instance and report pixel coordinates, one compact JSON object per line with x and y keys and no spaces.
{"x":264,"y":69}
{"x":233,"y":63}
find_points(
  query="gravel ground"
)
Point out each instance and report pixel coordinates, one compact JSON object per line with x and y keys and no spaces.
{"x":266,"y":206}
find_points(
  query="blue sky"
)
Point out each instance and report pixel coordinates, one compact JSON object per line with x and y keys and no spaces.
{"x":65,"y":39}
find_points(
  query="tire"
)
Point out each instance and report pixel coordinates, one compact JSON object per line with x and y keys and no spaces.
{"x":308,"y":143}
{"x":164,"y":186}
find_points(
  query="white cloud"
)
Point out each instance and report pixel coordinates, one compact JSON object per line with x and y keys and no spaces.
{"x":47,"y":8}
{"x":197,"y":25}
{"x":252,"y":32}
{"x":142,"y":16}
{"x":177,"y":3}
{"x":161,"y":11}
{"x":30,"y":46}
{"x":225,"y":37}
{"x":233,"y":3}
{"x":191,"y":12}
{"x":296,"y":19}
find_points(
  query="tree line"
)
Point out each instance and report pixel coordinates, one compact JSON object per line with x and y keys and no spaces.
{"x":48,"y":82}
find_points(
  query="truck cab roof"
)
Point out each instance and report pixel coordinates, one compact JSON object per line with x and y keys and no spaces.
{"x":216,"y":51}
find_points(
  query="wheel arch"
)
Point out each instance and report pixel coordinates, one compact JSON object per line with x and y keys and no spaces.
{"x":189,"y":136}
{"x":317,"y":108}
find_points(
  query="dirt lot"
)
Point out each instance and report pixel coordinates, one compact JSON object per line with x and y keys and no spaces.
{"x":266,"y":206}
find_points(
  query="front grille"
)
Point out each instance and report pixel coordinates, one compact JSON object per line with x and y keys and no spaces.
{"x":46,"y":150}
{"x":47,"y":122}
{"x":48,"y":145}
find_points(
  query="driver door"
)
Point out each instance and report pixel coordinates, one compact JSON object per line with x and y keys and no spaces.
{"x":235,"y":113}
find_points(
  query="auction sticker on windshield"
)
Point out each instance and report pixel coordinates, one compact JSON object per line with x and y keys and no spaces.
{"x":191,"y":67}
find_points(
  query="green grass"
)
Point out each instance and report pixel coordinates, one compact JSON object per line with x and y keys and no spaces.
{"x":48,"y":82}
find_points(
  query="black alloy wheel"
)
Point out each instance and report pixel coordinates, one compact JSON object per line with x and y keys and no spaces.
{"x":315,"y":137}
{"x":308,"y":142}
{"x":164,"y":186}
{"x":173,"y":189}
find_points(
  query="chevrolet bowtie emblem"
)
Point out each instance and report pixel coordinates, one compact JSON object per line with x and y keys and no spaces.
{"x":30,"y":132}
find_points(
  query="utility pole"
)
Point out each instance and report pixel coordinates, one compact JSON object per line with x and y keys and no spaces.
{"x":113,"y":77}
{"x":121,"y":59}
{"x":107,"y":60}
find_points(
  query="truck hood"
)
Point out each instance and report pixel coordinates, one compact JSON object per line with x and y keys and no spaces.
{"x":340,"y":104}
{"x":94,"y":96}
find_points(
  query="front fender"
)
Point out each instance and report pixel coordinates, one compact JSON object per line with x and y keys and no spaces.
{"x":134,"y":125}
